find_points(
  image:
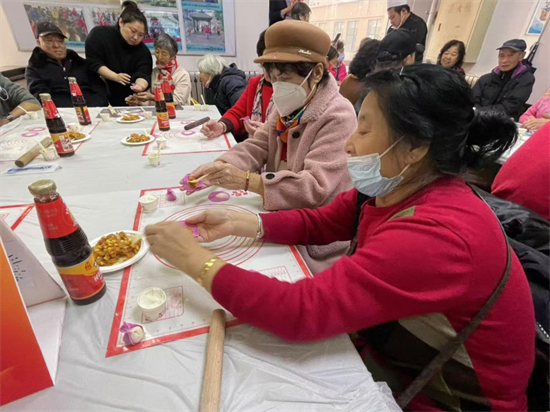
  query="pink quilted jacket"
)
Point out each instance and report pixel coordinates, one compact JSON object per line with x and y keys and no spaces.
{"x":317,"y":166}
{"x":538,"y":109}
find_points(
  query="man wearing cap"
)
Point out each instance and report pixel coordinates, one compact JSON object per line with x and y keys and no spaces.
{"x":297,"y":158}
{"x":509,"y":85}
{"x":51,"y":64}
{"x":401,"y":17}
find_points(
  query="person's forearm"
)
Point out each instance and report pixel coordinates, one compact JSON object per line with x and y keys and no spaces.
{"x":27,"y":106}
{"x":108,"y":74}
{"x":256,"y":184}
{"x":143,"y":83}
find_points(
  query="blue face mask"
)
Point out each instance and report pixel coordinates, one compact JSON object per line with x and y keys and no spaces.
{"x":366,"y":177}
{"x":341,"y":57}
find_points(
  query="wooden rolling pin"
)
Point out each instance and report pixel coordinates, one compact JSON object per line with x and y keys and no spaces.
{"x":212,"y":379}
{"x":196,"y":123}
{"x":32,"y":153}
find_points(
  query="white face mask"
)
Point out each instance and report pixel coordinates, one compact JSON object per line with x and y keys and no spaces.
{"x":289,"y":97}
{"x":366,"y":177}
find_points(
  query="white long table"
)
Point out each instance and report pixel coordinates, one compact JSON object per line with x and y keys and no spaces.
{"x":100,"y":184}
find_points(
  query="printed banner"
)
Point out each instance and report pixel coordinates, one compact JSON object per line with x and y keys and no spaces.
{"x":162,"y":22}
{"x":204,"y":26}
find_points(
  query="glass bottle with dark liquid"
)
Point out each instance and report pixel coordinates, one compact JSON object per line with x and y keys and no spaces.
{"x":79,"y":103}
{"x":168,"y":97}
{"x":56,"y":127}
{"x":67,"y":244}
{"x":160,"y":107}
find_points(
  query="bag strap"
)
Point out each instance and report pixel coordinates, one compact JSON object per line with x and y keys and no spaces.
{"x":446,"y":353}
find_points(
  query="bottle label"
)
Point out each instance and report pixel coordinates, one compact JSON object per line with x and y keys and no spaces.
{"x":83,"y":115}
{"x":163,"y":120}
{"x":62,"y":143}
{"x":171,"y":107}
{"x":75,"y":89}
{"x":50,"y":110}
{"x":87,"y":115}
{"x":55,"y":219}
{"x":158,"y":94}
{"x":83,"y":280}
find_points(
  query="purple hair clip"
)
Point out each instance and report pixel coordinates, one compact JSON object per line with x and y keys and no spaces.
{"x":171,"y":196}
{"x":132,"y":333}
{"x":191,"y":187}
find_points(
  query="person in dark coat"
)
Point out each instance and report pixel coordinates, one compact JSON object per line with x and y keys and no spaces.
{"x":279,"y":10}
{"x":119,"y":55}
{"x":508,"y":87}
{"x":51,"y":64}
{"x":223,"y":84}
{"x":401,"y":17}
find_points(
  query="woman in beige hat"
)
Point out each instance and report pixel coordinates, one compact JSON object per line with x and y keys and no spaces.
{"x":295,"y":160}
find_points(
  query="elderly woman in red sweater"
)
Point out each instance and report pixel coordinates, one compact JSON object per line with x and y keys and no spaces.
{"x":427,"y":254}
{"x":251,"y":110}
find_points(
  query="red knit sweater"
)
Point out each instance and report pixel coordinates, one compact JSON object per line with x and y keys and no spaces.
{"x":525,"y":177}
{"x":244,"y":105}
{"x":444,"y":257}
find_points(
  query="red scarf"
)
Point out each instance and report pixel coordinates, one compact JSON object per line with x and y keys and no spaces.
{"x":167,"y":70}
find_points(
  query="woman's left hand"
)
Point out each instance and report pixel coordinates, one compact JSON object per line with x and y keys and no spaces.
{"x":534,"y":124}
{"x":174,"y":243}
{"x":225,"y":175}
{"x":251,"y":126}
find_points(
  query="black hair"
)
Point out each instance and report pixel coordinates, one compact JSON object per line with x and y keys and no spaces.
{"x":332,"y":53}
{"x":300,"y":9}
{"x":398,"y":9}
{"x":131,"y":13}
{"x":428,"y":104}
{"x":301,"y":69}
{"x":339,"y":45}
{"x":260,"y":46}
{"x":365,"y":59}
{"x":461,"y":51}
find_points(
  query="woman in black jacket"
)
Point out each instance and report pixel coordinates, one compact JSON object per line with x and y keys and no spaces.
{"x":223,"y":84}
{"x":119,"y":55}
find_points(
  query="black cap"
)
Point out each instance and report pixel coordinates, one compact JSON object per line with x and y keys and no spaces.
{"x":514,"y":44}
{"x":45,"y":27}
{"x":397,"y":45}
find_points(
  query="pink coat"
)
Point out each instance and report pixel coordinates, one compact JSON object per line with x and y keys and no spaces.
{"x":537,"y":110}
{"x":317,"y":166}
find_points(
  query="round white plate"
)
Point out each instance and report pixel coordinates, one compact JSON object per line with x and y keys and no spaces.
{"x":119,"y":119}
{"x":142,"y":251}
{"x":88,"y":137}
{"x":151,"y":139}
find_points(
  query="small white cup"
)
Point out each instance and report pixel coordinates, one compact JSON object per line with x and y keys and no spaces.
{"x":49,"y":154}
{"x":152,"y":302}
{"x":105,"y":116}
{"x":148,"y":114}
{"x":154,"y":159}
{"x":32,"y":115}
{"x":197,"y":107}
{"x":205,"y":108}
{"x":75,"y":127}
{"x":161,"y":142}
{"x":522,"y":131}
{"x":149,"y":203}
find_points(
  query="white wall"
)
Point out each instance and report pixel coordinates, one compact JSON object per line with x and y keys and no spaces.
{"x":251,"y":19}
{"x":9,"y":55}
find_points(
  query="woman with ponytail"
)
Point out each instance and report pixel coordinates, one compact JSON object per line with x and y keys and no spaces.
{"x":119,"y":55}
{"x":426,"y":255}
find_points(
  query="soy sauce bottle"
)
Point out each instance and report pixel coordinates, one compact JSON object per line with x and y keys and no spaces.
{"x":67,"y":244}
{"x":160,"y":107}
{"x":168,"y":97}
{"x":79,"y":103}
{"x":56,"y":127}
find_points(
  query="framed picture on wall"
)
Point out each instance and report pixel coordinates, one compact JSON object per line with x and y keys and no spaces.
{"x":540,"y":16}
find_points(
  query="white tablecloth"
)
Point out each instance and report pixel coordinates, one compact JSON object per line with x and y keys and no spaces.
{"x":100,"y":184}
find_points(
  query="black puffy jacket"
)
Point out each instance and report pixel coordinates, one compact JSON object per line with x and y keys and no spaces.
{"x":226,"y":88}
{"x":45,"y":75}
{"x":493,"y":92}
